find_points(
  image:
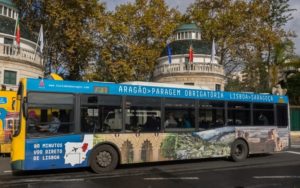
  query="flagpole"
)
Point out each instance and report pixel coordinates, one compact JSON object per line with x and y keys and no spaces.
{"x":169,"y":56}
{"x":213,"y":52}
{"x":16,"y":29}
{"x":36,"y":46}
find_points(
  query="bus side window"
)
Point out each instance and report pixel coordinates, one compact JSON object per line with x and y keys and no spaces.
{"x":263,"y":114}
{"x":101,"y":113}
{"x":282,"y":119}
{"x":180,"y":114}
{"x":211,"y":114}
{"x":143,"y":114}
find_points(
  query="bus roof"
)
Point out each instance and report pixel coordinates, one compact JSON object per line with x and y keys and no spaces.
{"x":61,"y":86}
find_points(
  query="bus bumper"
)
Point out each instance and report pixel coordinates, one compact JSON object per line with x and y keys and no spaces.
{"x":17,"y":165}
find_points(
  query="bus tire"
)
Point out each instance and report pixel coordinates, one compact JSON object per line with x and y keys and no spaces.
{"x":239,"y":150}
{"x":103,"y":158}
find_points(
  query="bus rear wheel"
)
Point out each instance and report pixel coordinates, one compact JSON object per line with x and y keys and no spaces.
{"x":104,"y":158}
{"x":239,"y":150}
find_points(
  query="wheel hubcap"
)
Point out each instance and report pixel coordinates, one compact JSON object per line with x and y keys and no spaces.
{"x":104,"y":158}
{"x":238,"y":150}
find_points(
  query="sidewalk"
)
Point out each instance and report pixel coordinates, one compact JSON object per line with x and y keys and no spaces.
{"x":295,"y":139}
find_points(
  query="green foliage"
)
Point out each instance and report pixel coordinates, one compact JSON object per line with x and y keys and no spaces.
{"x":234,"y":85}
{"x":135,"y":35}
{"x":69,"y":31}
{"x":124,"y":45}
{"x":249,"y":34}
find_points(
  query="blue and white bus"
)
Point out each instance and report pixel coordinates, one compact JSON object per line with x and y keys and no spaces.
{"x":70,"y":124}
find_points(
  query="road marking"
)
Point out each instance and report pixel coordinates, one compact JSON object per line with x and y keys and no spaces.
{"x":46,"y":180}
{"x":276,"y":177}
{"x":63,"y":180}
{"x":293,"y":152}
{"x":7,"y":171}
{"x":175,"y":178}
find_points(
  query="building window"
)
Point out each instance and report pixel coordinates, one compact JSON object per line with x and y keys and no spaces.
{"x":218,"y":87}
{"x":189,"y":83}
{"x":182,"y":37}
{"x":178,"y":36}
{"x":5,"y":11}
{"x":9,"y":12}
{"x":190,"y":35}
{"x":185,"y":35}
{"x":1,"y":7}
{"x":10,"y":77}
{"x":8,"y":40}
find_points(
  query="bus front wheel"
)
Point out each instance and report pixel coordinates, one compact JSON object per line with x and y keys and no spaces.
{"x":239,"y":150}
{"x":103,"y":158}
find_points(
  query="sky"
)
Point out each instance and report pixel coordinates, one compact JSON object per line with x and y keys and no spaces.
{"x":292,"y":25}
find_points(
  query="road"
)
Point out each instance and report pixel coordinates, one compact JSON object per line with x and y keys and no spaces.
{"x":259,"y":171}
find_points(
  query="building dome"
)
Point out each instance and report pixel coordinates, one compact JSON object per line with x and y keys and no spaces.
{"x":8,"y":3}
{"x":174,"y":66}
{"x":182,"y":47}
{"x":17,"y":61}
{"x":187,"y":27}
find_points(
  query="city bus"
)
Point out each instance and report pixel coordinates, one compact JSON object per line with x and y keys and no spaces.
{"x":8,"y":117}
{"x":72,"y":124}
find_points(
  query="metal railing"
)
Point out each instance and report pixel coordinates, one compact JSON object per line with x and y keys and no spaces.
{"x":189,"y":68}
{"x":23,"y":54}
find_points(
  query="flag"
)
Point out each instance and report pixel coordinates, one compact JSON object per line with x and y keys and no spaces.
{"x":191,"y":54}
{"x":18,"y":36}
{"x":213,"y":52}
{"x":169,"y":53}
{"x":41,"y":39}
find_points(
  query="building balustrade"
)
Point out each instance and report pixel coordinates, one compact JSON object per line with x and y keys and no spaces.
{"x":23,"y":54}
{"x":189,"y":68}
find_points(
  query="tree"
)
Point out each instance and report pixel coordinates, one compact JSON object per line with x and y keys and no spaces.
{"x":69,"y":31}
{"x":292,"y":79}
{"x":234,"y":84}
{"x":135,"y":35}
{"x":246,"y":32}
{"x":281,"y":54}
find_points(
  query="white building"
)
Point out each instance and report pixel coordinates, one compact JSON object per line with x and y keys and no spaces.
{"x":204,"y":71}
{"x":16,"y":63}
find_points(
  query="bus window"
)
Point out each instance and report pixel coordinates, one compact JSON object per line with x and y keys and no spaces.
{"x":238,"y":113}
{"x":52,"y":116}
{"x":143,"y":114}
{"x":179,"y":113}
{"x":101,"y":113}
{"x":211,"y":114}
{"x":282,"y":115}
{"x":263,"y":114}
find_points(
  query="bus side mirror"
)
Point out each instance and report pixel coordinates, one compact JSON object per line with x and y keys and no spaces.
{"x":13,"y":104}
{"x":25,"y":107}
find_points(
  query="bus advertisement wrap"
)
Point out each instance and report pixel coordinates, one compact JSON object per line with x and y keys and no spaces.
{"x":74,"y":150}
{"x":61,"y":152}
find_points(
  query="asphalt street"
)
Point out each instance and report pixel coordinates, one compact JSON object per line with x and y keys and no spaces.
{"x":276,"y":170}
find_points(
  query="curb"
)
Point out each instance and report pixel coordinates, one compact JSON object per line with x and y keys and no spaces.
{"x":295,"y":146}
{"x":295,"y":139}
